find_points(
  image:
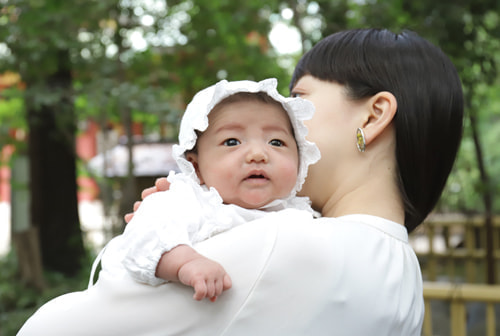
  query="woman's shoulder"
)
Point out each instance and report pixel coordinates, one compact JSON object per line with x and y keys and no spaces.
{"x":364,"y":221}
{"x":333,"y":258}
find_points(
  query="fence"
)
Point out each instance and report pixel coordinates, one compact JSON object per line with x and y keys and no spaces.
{"x":455,"y":249}
{"x":452,"y":252}
{"x":457,"y":296}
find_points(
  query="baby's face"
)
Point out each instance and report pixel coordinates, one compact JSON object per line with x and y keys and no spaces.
{"x":248,"y":153}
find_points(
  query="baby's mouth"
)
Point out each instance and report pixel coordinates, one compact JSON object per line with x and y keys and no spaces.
{"x":256,"y":176}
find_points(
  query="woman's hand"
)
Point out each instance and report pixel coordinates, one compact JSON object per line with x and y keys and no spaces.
{"x":161,"y":184}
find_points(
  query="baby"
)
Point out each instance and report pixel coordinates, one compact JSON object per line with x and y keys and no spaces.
{"x":242,"y":153}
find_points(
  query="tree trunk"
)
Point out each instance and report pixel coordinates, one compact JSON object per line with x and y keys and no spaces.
{"x":25,"y":237}
{"x":54,"y":207}
{"x":128,"y":184}
{"x":487,"y":201}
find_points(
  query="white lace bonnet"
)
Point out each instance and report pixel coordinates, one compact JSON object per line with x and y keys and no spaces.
{"x":196,"y":118}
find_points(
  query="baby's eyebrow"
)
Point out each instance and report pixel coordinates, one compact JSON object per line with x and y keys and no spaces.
{"x":279,"y":128}
{"x":229,"y":127}
{"x":237,"y":126}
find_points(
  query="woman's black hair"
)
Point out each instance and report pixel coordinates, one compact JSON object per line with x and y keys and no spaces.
{"x":429,"y":117}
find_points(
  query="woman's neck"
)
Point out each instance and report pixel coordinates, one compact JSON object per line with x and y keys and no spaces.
{"x":385,"y":206}
{"x":377,"y":195}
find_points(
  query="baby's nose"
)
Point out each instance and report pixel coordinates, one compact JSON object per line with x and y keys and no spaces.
{"x":257,"y":153}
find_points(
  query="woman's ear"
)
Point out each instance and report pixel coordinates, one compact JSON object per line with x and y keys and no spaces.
{"x":382,"y":108}
{"x":193,"y":158}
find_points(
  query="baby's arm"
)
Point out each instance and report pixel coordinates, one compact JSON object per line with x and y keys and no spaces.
{"x":185,"y":265}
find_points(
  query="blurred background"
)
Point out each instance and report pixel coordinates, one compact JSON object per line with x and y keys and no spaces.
{"x":91,"y":94}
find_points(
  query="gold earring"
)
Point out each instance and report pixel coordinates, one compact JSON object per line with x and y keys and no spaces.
{"x":360,"y":140}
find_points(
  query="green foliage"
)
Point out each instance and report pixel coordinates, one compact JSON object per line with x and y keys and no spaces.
{"x":223,"y":39}
{"x":11,"y":115}
{"x":187,"y":47}
{"x":190,"y":45}
{"x":35,"y":31}
{"x":19,"y":301}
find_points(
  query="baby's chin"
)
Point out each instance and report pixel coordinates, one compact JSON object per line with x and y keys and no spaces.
{"x":252,"y":203}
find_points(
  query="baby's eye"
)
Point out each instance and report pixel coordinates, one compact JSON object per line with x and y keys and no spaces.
{"x":295,"y":94}
{"x":231,"y":142}
{"x":276,"y":142}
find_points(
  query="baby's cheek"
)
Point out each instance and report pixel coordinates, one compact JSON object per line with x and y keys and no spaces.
{"x":289,"y":177}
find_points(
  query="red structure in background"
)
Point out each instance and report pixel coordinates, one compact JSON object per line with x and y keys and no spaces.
{"x":5,"y":154}
{"x":86,"y":148}
{"x":7,"y":80}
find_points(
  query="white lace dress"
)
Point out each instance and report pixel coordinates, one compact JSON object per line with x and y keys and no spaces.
{"x":186,"y":214}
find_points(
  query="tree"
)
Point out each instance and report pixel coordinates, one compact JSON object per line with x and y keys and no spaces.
{"x":63,"y":50}
{"x":48,"y":102}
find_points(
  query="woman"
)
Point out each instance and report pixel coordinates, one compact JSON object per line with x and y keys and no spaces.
{"x":388,"y":124}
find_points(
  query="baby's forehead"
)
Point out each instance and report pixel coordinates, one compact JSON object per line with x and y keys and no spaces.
{"x":248,"y":97}
{"x":237,"y":111}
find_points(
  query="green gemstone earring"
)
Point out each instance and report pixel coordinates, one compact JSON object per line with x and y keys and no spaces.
{"x":360,"y":140}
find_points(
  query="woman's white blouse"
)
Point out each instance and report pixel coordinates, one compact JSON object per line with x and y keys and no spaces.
{"x":292,"y":275}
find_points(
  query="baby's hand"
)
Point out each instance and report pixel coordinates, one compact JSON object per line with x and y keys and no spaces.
{"x":207,"y":277}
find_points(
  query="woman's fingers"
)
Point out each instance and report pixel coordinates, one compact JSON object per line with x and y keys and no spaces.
{"x":128,"y":217}
{"x":148,"y":191}
{"x":162,"y":184}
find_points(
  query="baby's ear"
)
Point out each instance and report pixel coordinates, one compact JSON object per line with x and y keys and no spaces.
{"x":193,"y":158}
